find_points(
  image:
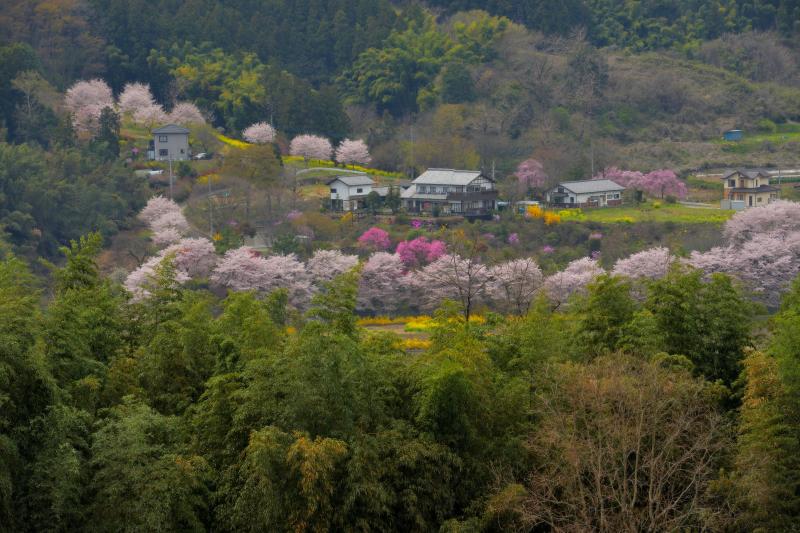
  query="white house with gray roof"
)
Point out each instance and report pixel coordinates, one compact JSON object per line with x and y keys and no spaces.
{"x":451,"y":192}
{"x":586,"y":193}
{"x":170,"y":142}
{"x":349,"y":193}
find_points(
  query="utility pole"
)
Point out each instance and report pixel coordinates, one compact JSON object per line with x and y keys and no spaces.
{"x":413,"y":162}
{"x":210,"y":209}
{"x":170,"y":177}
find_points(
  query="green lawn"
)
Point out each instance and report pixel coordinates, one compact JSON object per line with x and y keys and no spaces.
{"x":754,"y":142}
{"x":665,"y":213}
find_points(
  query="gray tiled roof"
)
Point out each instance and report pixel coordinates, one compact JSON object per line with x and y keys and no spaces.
{"x":171,"y":128}
{"x":590,"y":186}
{"x":447,"y":176}
{"x":751,"y":173}
{"x":353,"y":181}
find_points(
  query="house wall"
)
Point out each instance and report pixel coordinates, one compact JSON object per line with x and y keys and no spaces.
{"x":340,"y":191}
{"x":175,"y":144}
{"x":601,"y":199}
{"x":754,"y":199}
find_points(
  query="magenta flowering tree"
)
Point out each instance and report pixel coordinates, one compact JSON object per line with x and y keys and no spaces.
{"x":531,"y":174}
{"x":659,"y":183}
{"x":186,"y":114}
{"x":513,"y":239}
{"x":375,"y":239}
{"x":572,"y":280}
{"x":135,"y":96}
{"x":325,"y":265}
{"x":463,"y":280}
{"x":420,"y":251}
{"x":651,"y":264}
{"x":311,"y":147}
{"x":259,"y":133}
{"x":662,"y":183}
{"x":384,"y":287}
{"x":514,"y":284}
{"x":352,"y":152}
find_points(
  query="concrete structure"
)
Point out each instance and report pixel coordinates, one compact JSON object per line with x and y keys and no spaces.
{"x":587,"y":193}
{"x":349,"y":193}
{"x":749,"y":186}
{"x":170,"y":142}
{"x":451,"y":192}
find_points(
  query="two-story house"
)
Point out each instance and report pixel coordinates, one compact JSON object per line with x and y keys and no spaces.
{"x":586,"y":193}
{"x":349,"y":193}
{"x":749,"y":186}
{"x":451,"y":192}
{"x":170,"y":142}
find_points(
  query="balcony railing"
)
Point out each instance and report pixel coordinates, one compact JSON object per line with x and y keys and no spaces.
{"x":473,"y":196}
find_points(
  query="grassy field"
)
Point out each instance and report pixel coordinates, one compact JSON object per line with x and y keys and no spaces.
{"x":755,"y":142}
{"x":665,"y":213}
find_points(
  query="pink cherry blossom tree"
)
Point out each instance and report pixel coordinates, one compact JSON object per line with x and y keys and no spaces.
{"x":86,"y":119}
{"x":186,"y":114}
{"x":662,"y":183}
{"x":135,"y":96}
{"x":778,"y":218}
{"x":651,"y":264}
{"x":82,"y":94}
{"x":259,"y":133}
{"x":514,"y":284}
{"x":166,"y":237}
{"x":375,"y":239}
{"x":572,"y":280}
{"x":241,"y":269}
{"x":453,"y":277}
{"x":384,"y":287}
{"x":352,"y":152}
{"x":156,"y":207}
{"x":173,"y":219}
{"x":141,"y":280}
{"x":420,"y":251}
{"x":286,"y":272}
{"x":195,"y":257}
{"x":150,"y":116}
{"x":325,"y":265}
{"x":531,"y":174}
{"x":626,"y":178}
{"x":311,"y":147}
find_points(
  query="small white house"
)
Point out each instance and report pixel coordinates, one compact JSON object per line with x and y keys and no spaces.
{"x":586,"y":193}
{"x":170,"y":142}
{"x":349,"y":193}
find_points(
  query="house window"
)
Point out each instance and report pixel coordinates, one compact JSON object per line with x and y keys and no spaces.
{"x":163,"y":138}
{"x":182,"y":151}
{"x":163,"y":152}
{"x":759,"y":198}
{"x":616,"y":196}
{"x":359,"y":190}
{"x":333,"y":191}
{"x":572,"y":199}
{"x":731,"y":183}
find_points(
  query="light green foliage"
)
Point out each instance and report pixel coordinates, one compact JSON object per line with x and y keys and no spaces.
{"x":608,"y":309}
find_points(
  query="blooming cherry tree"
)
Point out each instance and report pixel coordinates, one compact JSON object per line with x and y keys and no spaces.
{"x":286,"y":272}
{"x":375,"y":239}
{"x":325,"y":265}
{"x":82,"y":94}
{"x":86,"y":119}
{"x":653,"y":264}
{"x":573,"y":279}
{"x":351,"y":152}
{"x":241,"y":269}
{"x":420,"y":251}
{"x":778,"y":218}
{"x":156,"y":207}
{"x":384,"y":287}
{"x":662,"y":183}
{"x":195,"y":257}
{"x":457,"y":278}
{"x":259,"y":133}
{"x":173,"y":219}
{"x":135,"y":96}
{"x":150,"y":115}
{"x":166,"y":237}
{"x":186,"y":114}
{"x":531,"y":174}
{"x":311,"y":147}
{"x":140,"y":280}
{"x":514,"y":284}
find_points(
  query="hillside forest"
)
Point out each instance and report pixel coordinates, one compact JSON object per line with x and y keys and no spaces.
{"x":208,"y":344}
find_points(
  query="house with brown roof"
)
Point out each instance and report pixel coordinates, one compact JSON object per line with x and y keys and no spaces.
{"x":751,"y":187}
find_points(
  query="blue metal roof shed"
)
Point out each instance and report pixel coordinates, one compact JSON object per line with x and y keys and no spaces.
{"x":733,"y":135}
